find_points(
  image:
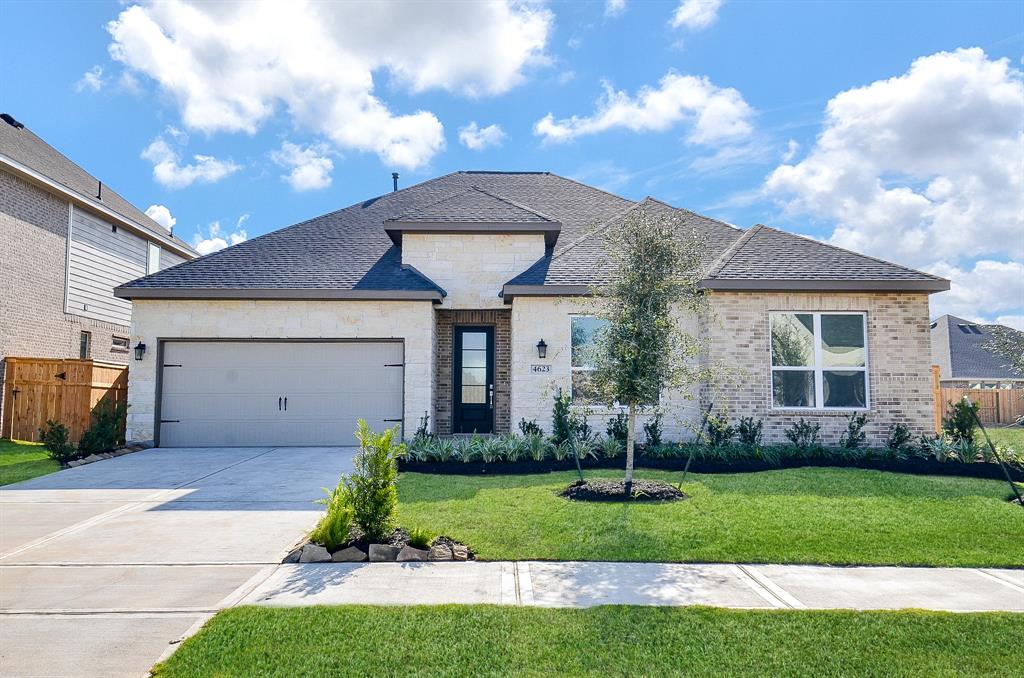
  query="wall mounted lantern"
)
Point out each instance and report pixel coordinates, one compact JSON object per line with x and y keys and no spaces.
{"x":140,"y":350}
{"x":542,"y":349}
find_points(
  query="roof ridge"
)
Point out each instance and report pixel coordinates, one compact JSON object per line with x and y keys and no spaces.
{"x":704,"y":216}
{"x":604,"y":225}
{"x":516,"y":204}
{"x":588,"y":186}
{"x":732,"y":250}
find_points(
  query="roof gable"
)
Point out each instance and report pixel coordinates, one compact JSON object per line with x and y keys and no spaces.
{"x":968,"y":356}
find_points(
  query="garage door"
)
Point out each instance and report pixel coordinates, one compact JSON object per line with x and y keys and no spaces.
{"x":228,"y":394}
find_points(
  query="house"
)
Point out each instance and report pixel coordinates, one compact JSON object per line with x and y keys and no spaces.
{"x":958,"y":348}
{"x":68,"y":241}
{"x":465,"y":299}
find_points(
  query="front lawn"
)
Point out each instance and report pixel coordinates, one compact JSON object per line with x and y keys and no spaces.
{"x":601,"y":641}
{"x":1012,"y":436}
{"x":805,"y":515}
{"x":20,"y":460}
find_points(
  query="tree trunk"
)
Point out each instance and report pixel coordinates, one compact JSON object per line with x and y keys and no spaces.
{"x":630,"y":443}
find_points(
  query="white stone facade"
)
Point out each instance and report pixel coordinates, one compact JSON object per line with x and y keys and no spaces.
{"x":155,"y":320}
{"x":471,"y":268}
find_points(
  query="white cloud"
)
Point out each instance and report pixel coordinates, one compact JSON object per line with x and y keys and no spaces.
{"x":310,"y":166}
{"x":695,"y":14}
{"x":214,"y":240}
{"x":1014,"y":321}
{"x":231,"y":65}
{"x":168,"y":170}
{"x":920,"y":167}
{"x":714,"y":113}
{"x":792,"y":146}
{"x":734,"y":155}
{"x":986,"y":289}
{"x":477,"y":138}
{"x":161,"y":215}
{"x":92,"y":80}
{"x":614,"y":7}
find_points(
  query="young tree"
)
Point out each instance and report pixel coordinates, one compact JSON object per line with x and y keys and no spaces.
{"x":643,"y":349}
{"x":1008,"y":344}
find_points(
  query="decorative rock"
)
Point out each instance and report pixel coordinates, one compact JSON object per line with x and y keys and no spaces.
{"x":460,"y":552}
{"x":314,"y":553}
{"x":91,"y":458}
{"x":383,"y":552}
{"x":439,"y":552}
{"x":73,"y":464}
{"x":293,"y":557}
{"x":409,"y":554}
{"x":353,"y":554}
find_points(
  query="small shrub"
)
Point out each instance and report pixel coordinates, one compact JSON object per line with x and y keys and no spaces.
{"x":652,"y":430}
{"x":562,"y":450}
{"x":513,"y":448}
{"x":854,"y":435}
{"x":465,"y":450}
{"x":422,"y":431}
{"x":490,"y":449}
{"x":804,"y":435}
{"x":582,"y":448}
{"x":939,"y":447}
{"x":104,"y":432}
{"x":562,"y":424}
{"x":749,"y":431}
{"x":443,"y":449}
{"x":618,"y":427}
{"x":54,"y":437}
{"x":966,"y":451}
{"x":899,"y":437}
{"x":420,"y":538}
{"x":530,"y":428}
{"x":333,"y":529}
{"x":371,"y":488}
{"x":611,"y":447}
{"x":537,"y":447}
{"x":719,"y":432}
{"x":960,"y":423}
{"x":580,"y":426}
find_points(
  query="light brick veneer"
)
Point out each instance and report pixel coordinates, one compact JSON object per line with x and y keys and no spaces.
{"x":899,"y":355}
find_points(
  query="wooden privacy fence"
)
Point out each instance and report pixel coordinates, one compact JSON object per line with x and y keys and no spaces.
{"x":40,"y":389}
{"x":995,"y":406}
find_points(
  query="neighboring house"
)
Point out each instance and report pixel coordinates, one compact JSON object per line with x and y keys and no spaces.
{"x":434,"y":300}
{"x":67,"y":242}
{"x":958,"y":348}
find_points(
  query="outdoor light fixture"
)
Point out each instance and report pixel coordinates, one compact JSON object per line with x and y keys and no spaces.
{"x":140,"y":350}
{"x":542,"y":349}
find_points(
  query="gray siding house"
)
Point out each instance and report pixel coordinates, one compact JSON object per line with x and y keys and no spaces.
{"x":68,"y":241}
{"x":958,"y":348}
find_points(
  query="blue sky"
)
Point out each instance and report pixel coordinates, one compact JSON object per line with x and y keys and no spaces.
{"x":891,"y":128}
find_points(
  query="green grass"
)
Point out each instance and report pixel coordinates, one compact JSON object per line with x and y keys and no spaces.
{"x":20,"y":460}
{"x":1012,"y":436}
{"x":806,"y":515}
{"x":602,"y":641}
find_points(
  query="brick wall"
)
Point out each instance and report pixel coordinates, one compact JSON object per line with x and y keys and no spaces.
{"x":500,"y":319}
{"x":899,"y":358}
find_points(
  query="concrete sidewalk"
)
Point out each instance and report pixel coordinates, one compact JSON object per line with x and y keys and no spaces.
{"x":584,"y":584}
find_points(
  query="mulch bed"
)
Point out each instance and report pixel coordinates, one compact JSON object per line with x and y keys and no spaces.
{"x":615,"y":490}
{"x":399,"y":538}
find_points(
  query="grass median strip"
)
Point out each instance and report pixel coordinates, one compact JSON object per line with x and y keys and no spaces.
{"x":488,"y":640}
{"x":806,"y":515}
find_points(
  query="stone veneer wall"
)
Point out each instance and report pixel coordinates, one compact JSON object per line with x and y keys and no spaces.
{"x":500,"y":319}
{"x":899,"y":358}
{"x":153,"y":320}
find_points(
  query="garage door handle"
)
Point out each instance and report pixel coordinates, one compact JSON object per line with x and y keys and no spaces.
{"x":286,"y":403}
{"x":279,"y":404}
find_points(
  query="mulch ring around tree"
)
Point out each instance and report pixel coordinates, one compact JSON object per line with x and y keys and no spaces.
{"x":615,"y":490}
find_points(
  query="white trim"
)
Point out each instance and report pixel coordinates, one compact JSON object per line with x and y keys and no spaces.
{"x":818,"y":368}
{"x":572,"y":368}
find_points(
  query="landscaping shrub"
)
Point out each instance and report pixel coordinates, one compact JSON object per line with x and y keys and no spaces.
{"x":854,"y":435}
{"x":530,"y":428}
{"x":719,"y":432}
{"x":899,"y":438}
{"x":749,"y":431}
{"x":652,"y":430}
{"x":422,"y":431}
{"x":612,"y":447}
{"x":55,"y":438}
{"x":420,"y":538}
{"x":804,"y":435}
{"x":333,"y":529}
{"x":618,"y":427}
{"x":562,"y":424}
{"x":371,"y":488}
{"x":960,"y":423}
{"x":538,"y":448}
{"x":104,"y":432}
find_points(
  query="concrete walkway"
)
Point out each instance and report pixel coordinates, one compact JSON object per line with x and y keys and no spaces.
{"x":555,"y":584}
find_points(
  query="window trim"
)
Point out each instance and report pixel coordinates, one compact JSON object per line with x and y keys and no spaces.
{"x":572,"y":367}
{"x":87,"y":336}
{"x":818,"y":368}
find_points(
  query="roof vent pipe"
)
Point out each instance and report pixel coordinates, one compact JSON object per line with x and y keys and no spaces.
{"x":99,"y":190}
{"x":394,"y":179}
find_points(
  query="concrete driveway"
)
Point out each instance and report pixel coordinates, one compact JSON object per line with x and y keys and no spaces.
{"x":102,"y":567}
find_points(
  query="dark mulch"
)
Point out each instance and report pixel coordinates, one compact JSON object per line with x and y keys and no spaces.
{"x":615,"y":490}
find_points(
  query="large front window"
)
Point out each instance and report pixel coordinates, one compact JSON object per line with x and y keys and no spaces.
{"x":819,"y":360}
{"x":583,"y":329}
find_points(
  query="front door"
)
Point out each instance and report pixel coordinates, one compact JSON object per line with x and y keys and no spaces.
{"x":474,"y":380}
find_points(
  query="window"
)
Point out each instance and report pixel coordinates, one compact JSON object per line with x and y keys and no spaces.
{"x":152,"y":259}
{"x":84,"y":345}
{"x":583,"y":330}
{"x":119,"y":344}
{"x":819,"y":360}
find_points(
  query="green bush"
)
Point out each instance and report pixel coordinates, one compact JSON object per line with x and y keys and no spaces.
{"x":371,"y":488}
{"x":55,"y":438}
{"x":530,"y":428}
{"x":562,"y":424}
{"x":652,"y":430}
{"x":854,"y":435}
{"x":104,"y":432}
{"x":422,"y":430}
{"x":420,"y":538}
{"x":960,"y":423}
{"x":333,"y":529}
{"x":804,"y":435}
{"x":719,"y":432}
{"x":537,"y":447}
{"x":618,"y":427}
{"x":612,"y":447}
{"x":749,"y":431}
{"x":899,"y":438}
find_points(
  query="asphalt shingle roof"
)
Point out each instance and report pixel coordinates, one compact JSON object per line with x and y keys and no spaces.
{"x":474,"y":205}
{"x":968,"y":357}
{"x":25,"y":147}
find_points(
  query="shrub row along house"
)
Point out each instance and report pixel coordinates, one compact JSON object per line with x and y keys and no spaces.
{"x":465,"y":299}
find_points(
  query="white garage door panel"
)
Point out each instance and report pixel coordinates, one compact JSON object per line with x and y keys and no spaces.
{"x":232,"y":393}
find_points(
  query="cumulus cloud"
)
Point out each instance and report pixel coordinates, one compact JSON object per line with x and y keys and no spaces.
{"x":213,"y":240}
{"x":614,"y":7}
{"x":168,"y":170}
{"x":231,"y":65}
{"x":310,"y":167}
{"x":1014,"y":321}
{"x":477,"y":138}
{"x":714,"y":114}
{"x":988,"y":287}
{"x":91,"y":80}
{"x":161,"y":215}
{"x":695,"y":14}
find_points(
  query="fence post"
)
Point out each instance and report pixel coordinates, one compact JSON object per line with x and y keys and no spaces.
{"x":937,"y":398}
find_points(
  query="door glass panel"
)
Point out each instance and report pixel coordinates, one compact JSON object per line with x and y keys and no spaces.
{"x":474,"y":340}
{"x":474,"y":395}
{"x":474,"y":376}
{"x":474,"y":358}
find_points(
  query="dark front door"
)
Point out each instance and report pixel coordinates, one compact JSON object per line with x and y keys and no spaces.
{"x":474,"y":380}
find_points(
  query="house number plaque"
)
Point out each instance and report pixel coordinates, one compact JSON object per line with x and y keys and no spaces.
{"x":537,"y":369}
